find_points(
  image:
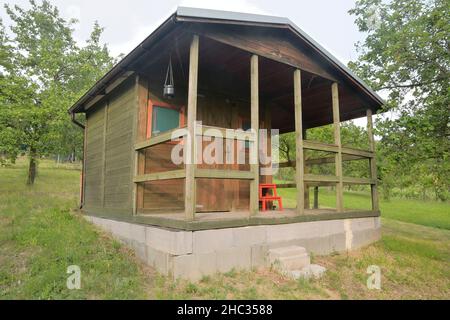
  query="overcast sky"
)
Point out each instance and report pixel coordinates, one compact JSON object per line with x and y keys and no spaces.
{"x":128,"y":22}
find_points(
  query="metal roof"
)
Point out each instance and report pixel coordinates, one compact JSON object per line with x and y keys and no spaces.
{"x":206,"y":14}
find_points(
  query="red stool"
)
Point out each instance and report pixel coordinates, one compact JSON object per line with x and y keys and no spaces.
{"x":269,"y":197}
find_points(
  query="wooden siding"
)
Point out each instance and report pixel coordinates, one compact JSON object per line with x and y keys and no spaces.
{"x":108,"y":151}
{"x":214,"y":109}
{"x":118,"y":163}
{"x":94,"y":157}
{"x":165,"y":196}
{"x":158,"y":158}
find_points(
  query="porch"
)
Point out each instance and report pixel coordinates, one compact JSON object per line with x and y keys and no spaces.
{"x":184,"y":196}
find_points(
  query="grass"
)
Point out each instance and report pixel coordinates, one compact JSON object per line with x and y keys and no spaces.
{"x":42,"y":233}
{"x":427,"y":213}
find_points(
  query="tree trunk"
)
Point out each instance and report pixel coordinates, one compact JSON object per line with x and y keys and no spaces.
{"x":32,"y":168}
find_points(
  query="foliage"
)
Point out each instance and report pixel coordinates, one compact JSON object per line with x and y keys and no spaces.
{"x":43,"y":71}
{"x":407,"y":54}
{"x":351,"y":135}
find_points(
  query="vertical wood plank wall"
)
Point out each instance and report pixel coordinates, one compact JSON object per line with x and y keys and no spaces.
{"x":94,"y":157}
{"x":109,"y":162}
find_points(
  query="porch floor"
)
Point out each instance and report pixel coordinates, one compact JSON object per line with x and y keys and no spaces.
{"x":215,"y":220}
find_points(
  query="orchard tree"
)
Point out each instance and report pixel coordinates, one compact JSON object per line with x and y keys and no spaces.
{"x":351,"y":135}
{"x":43,"y":72}
{"x":407,"y":54}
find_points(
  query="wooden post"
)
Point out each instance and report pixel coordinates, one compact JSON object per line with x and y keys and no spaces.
{"x":254,"y":112}
{"x":305,"y":171}
{"x":316,"y":197}
{"x":372,"y":162}
{"x":299,"y":158}
{"x":337,"y":141}
{"x":139,"y":130}
{"x":189,"y":190}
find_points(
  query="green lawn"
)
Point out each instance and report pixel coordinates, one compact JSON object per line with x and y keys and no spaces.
{"x":427,"y":213}
{"x":42,"y":232}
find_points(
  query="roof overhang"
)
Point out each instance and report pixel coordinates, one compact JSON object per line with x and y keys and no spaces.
{"x":185,"y":14}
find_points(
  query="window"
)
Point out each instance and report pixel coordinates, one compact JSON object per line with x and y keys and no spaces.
{"x":163,"y":117}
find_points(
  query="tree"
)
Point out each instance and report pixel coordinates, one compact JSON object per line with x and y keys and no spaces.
{"x":43,"y":72}
{"x":407,"y":53}
{"x":351,"y":135}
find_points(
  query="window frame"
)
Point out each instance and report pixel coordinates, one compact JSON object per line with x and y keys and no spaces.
{"x":151,"y":104}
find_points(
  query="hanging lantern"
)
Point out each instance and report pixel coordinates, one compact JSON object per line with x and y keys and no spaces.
{"x":169,"y":88}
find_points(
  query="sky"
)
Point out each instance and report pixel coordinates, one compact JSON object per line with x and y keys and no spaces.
{"x":128,"y":22}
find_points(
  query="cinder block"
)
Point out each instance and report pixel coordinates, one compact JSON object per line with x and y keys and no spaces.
{"x":194,"y":266}
{"x":377,"y":222}
{"x":286,"y":251}
{"x":289,"y":258}
{"x":316,"y":245}
{"x":259,"y":256}
{"x":104,"y":224}
{"x":291,"y":231}
{"x":212,"y":240}
{"x":137,"y":232}
{"x":96,"y":221}
{"x":337,"y":243}
{"x":140,"y":250}
{"x":365,"y":237}
{"x":311,"y":271}
{"x":294,"y":262}
{"x":120,"y":229}
{"x":161,"y":261}
{"x":363,"y":223}
{"x":173,"y":242}
{"x":238,"y":258}
{"x":279,"y":233}
{"x":249,"y":236}
{"x":331,"y":227}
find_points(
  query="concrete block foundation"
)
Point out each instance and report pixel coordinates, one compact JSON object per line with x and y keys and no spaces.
{"x":194,"y":254}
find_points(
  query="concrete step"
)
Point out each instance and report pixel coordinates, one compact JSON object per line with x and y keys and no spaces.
{"x":311,"y":271}
{"x":289,"y":258}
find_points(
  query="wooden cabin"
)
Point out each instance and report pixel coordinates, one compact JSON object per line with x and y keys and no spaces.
{"x":230,"y":71}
